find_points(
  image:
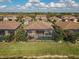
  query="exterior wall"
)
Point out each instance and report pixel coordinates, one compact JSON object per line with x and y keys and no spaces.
{"x":42,"y":18}
{"x":5,"y":19}
{"x":39,"y":33}
{"x":9,"y":18}
{"x":27,"y":21}
{"x":7,"y":32}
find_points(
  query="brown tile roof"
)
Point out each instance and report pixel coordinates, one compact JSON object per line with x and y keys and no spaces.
{"x":68,"y":25}
{"x":27,"y":18}
{"x":9,"y":25}
{"x":68,"y":17}
{"x":54,"y":18}
{"x":39,"y":25}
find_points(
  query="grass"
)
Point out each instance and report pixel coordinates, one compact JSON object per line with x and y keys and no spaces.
{"x":38,"y":48}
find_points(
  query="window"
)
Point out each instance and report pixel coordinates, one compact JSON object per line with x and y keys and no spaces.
{"x":2,"y":32}
{"x":71,"y":19}
{"x":63,"y":20}
{"x":78,"y":20}
{"x":39,"y":31}
{"x":1,"y":19}
{"x":10,"y":19}
{"x":29,"y":31}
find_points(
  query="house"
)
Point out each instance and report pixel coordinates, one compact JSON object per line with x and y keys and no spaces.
{"x":55,"y":18}
{"x":8,"y":27}
{"x":74,"y":26}
{"x":1,"y":18}
{"x":39,"y":29}
{"x":9,"y":18}
{"x":27,"y":20}
{"x":41,"y":17}
{"x":69,"y":18}
{"x":78,"y":18}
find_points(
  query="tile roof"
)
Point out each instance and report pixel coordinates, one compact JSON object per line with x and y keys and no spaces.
{"x":27,"y":18}
{"x":55,"y":18}
{"x":9,"y":25}
{"x":39,"y":25}
{"x":69,"y":17}
{"x":68,"y":25}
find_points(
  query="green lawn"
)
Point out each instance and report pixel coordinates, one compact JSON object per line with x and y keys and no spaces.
{"x":38,"y":48}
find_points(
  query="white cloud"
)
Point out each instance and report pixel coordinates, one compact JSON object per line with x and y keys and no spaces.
{"x":34,"y":1}
{"x":20,"y":7}
{"x":42,"y":5}
{"x":52,"y":4}
{"x":28,"y":4}
{"x":23,"y":7}
{"x":70,"y":3}
{"x":3,"y":6}
{"x":60,"y":5}
{"x":76,"y":5}
{"x":37,"y":4}
{"x":5,"y":0}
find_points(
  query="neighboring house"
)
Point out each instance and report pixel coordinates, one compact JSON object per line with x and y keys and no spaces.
{"x":8,"y":27}
{"x":78,"y":18}
{"x":27,"y":20}
{"x":1,"y":18}
{"x":55,"y":18}
{"x":41,"y":17}
{"x":74,"y":26}
{"x":9,"y":18}
{"x":69,"y":18}
{"x":39,"y":29}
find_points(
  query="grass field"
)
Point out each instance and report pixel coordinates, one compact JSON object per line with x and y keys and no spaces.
{"x":38,"y":48}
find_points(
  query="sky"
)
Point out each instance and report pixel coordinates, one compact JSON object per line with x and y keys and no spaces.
{"x":39,"y":5}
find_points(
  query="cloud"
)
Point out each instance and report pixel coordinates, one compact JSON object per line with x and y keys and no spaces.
{"x":70,"y":3}
{"x":42,"y":5}
{"x":53,"y":5}
{"x":23,"y":7}
{"x":3,"y":6}
{"x":33,"y":5}
{"x":5,"y":0}
{"x":20,"y":7}
{"x":34,"y":1}
{"x":28,"y":4}
{"x":62,"y":5}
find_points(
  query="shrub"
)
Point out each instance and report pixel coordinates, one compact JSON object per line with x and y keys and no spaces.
{"x":6,"y":38}
{"x":20,"y":35}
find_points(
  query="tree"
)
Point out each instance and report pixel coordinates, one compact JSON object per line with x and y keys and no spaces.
{"x":60,"y":34}
{"x":20,"y":35}
{"x":70,"y":36}
{"x":19,"y":18}
{"x":58,"y":31}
